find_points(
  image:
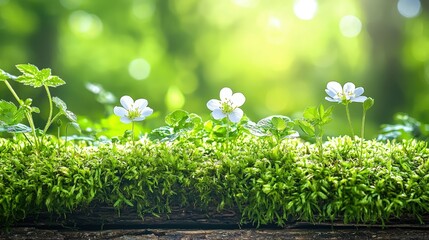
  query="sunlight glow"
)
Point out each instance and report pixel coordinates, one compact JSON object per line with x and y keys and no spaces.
{"x":85,"y":24}
{"x":275,"y":32}
{"x":274,"y":22}
{"x":350,"y":26}
{"x":246,"y":3}
{"x":139,"y":69}
{"x":409,"y":8}
{"x":305,"y":9}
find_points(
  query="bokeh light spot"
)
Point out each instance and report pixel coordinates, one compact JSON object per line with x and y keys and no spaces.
{"x":143,"y":9}
{"x":350,"y":26}
{"x":305,"y":9}
{"x":409,"y":8}
{"x":276,"y":33}
{"x":139,"y":69}
{"x":174,"y":98}
{"x":85,"y":24}
{"x":71,"y":4}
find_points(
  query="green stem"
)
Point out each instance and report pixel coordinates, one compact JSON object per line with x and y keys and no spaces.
{"x":48,"y":123}
{"x":13,"y":92}
{"x":349,"y":119}
{"x":319,"y":141}
{"x":132,"y":132}
{"x":227,"y":135}
{"x":362,"y":132}
{"x":27,"y":114}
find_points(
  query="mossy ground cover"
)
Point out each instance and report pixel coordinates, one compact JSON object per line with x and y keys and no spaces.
{"x":266,"y":181}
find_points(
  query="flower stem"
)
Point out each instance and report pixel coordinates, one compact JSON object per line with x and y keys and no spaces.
{"x":362,"y":133}
{"x":132,"y":132}
{"x":349,"y":119}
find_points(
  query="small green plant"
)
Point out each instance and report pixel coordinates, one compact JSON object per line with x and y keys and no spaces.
{"x":404,"y":127}
{"x":179,"y":124}
{"x":11,"y":116}
{"x":277,"y":126}
{"x":313,"y":122}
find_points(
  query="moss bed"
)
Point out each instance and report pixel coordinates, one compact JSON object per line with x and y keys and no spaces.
{"x":260,"y":181}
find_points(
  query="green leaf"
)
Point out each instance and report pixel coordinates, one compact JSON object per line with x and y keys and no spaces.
{"x":28,"y":69}
{"x":310,"y":113}
{"x":10,"y":114}
{"x":279,"y":123}
{"x":17,"y":128}
{"x":306,"y":127}
{"x":34,"y":77}
{"x":175,"y":118}
{"x":76,"y":126}
{"x":61,"y":105}
{"x":326,"y":116}
{"x":70,"y":116}
{"x":369,"y":102}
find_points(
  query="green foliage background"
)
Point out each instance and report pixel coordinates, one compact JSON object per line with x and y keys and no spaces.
{"x":187,"y":51}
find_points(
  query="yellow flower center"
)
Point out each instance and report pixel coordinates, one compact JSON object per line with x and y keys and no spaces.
{"x":227,"y":106}
{"x":133,"y":113}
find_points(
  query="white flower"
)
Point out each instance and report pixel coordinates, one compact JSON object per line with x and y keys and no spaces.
{"x":228,"y":105}
{"x":132,"y":111}
{"x":348,"y":93}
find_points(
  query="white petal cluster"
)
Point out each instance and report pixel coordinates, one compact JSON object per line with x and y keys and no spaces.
{"x":132,"y":111}
{"x":348,"y":93}
{"x":228,"y":105}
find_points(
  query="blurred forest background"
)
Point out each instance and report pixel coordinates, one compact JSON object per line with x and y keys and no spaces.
{"x":179,"y":54}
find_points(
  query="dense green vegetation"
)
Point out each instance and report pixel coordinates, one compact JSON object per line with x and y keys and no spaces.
{"x":265,"y":180}
{"x":280,"y":54}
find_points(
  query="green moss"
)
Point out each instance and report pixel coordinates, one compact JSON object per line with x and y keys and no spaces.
{"x":266,"y":181}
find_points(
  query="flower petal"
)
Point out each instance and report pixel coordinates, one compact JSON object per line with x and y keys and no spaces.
{"x":236,"y":115}
{"x":141,"y":103}
{"x":332,"y":99}
{"x":125,"y":120}
{"x":146,"y":112}
{"x":238,"y":99}
{"x":213,"y":104}
{"x":218,"y":114}
{"x":349,"y":87}
{"x":120,"y":111}
{"x":334,"y":87}
{"x":127,"y":102}
{"x":331,"y":93}
{"x":140,"y":118}
{"x":225,"y":93}
{"x":359,"y":91}
{"x":359,"y":99}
